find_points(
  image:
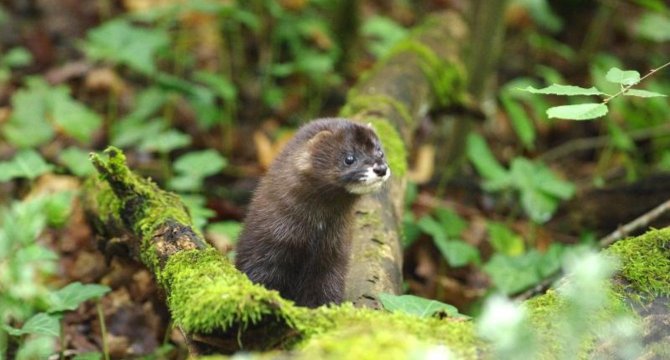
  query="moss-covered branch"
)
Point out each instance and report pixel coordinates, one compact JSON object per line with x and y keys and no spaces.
{"x":216,"y":306}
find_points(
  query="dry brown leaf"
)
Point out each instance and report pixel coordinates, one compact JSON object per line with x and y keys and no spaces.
{"x":104,"y":79}
{"x":424,"y":166}
{"x":264,"y":152}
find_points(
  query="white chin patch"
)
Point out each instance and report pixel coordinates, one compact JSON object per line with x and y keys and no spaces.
{"x":369,"y":183}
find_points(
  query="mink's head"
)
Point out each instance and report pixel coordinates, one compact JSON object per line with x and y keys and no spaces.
{"x":340,"y":153}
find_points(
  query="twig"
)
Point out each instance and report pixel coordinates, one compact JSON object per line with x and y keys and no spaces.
{"x":608,"y":240}
{"x":626,"y":88}
{"x":639,"y":222}
{"x":103,"y":331}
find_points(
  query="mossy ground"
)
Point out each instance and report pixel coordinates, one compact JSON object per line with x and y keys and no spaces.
{"x":645,"y":262}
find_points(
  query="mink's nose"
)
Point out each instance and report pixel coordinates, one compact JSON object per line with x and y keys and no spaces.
{"x":380,"y":169}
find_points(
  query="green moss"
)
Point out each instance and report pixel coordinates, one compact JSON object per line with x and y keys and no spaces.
{"x":206,"y":292}
{"x":359,"y":329}
{"x":142,"y":205}
{"x":377,"y":103}
{"x":447,"y":79}
{"x":550,"y":314}
{"x":394,"y":147}
{"x":645,"y":262}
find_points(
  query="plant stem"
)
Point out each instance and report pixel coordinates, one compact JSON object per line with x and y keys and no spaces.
{"x":625,"y":89}
{"x":103,"y":331}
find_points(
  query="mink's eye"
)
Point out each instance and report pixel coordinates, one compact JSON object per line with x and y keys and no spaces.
{"x":350,"y":159}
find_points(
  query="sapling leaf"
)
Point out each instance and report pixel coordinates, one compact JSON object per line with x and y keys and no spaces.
{"x":578,"y":112}
{"x":122,"y":42}
{"x":522,"y":124}
{"x":200,"y":163}
{"x":450,"y":221}
{"x":76,"y":160}
{"x":643,"y":93}
{"x":72,"y":295}
{"x":74,"y":118}
{"x":483,"y":160}
{"x":16,"y":57}
{"x":565,"y":90}
{"x":458,"y":253}
{"x":414,"y":305}
{"x":25,"y":164}
{"x":166,"y":141}
{"x":623,"y":77}
{"x":27,"y":125}
{"x":504,"y":240}
{"x":654,"y":26}
{"x":39,"y":324}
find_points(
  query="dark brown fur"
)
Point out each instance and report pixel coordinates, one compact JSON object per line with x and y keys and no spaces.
{"x":296,"y":234}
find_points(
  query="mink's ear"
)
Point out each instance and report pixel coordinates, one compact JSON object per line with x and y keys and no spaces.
{"x":318,"y":137}
{"x":303,"y":160}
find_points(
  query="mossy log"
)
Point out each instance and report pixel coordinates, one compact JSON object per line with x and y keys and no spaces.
{"x":393,"y":97}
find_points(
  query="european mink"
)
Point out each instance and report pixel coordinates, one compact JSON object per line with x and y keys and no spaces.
{"x":296,"y":233}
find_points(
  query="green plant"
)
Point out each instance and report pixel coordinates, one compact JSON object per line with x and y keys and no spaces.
{"x":626,"y":79}
{"x":445,"y":227}
{"x":539,"y":190}
{"x":24,"y":298}
{"x":418,"y":306}
{"x":14,"y":58}
{"x":40,"y":109}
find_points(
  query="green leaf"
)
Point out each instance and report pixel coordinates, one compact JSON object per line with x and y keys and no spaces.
{"x":384,"y":33}
{"x":72,"y":295}
{"x":523,"y":126}
{"x":504,"y":240}
{"x":57,"y":207}
{"x":27,"y":126}
{"x":578,"y":112}
{"x":625,"y":78}
{"x":450,"y":221}
{"x":39,"y":324}
{"x":36,"y":347}
{"x":511,"y":274}
{"x":220,"y":84}
{"x":76,"y":160}
{"x":414,"y":305}
{"x":483,"y":160}
{"x":26,"y":164}
{"x":431,"y":227}
{"x":654,"y":27}
{"x":17,"y":57}
{"x":540,"y":189}
{"x":34,"y":252}
{"x":458,"y":253}
{"x":122,"y":42}
{"x":643,"y":93}
{"x":566,"y":90}
{"x":166,"y":141}
{"x":538,"y":205}
{"x":200,"y":163}
{"x":73,"y":117}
